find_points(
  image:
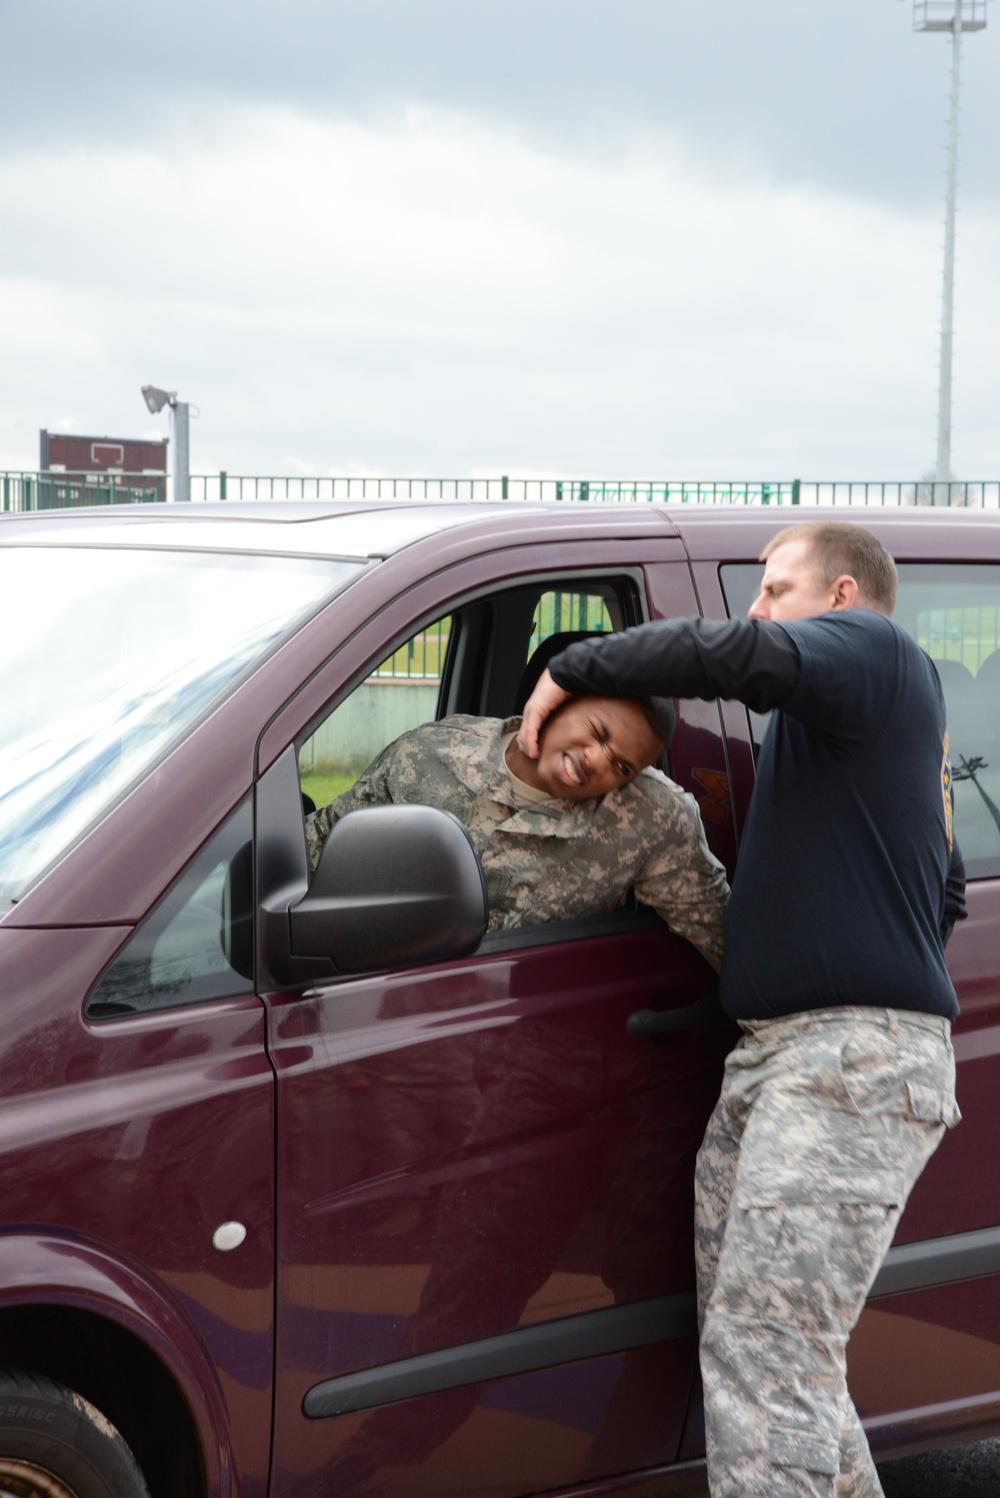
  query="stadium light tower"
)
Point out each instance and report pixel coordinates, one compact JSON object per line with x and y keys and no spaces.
{"x":955,"y":16}
{"x":156,"y":399}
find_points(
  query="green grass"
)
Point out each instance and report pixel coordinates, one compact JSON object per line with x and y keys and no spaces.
{"x":326,"y":788}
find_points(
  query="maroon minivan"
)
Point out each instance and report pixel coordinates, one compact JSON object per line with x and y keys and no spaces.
{"x":309,"y":1188}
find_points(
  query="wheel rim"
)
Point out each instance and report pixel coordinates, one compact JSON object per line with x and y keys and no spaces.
{"x":26,"y":1480}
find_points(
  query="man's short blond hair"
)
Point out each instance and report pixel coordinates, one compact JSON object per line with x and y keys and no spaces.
{"x":837,"y":548}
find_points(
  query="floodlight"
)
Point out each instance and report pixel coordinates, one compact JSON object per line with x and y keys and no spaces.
{"x":156,"y":399}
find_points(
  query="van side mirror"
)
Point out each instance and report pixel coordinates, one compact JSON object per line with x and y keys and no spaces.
{"x":395,"y":885}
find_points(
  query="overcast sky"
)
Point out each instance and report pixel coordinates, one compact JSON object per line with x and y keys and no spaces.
{"x":593,"y":238}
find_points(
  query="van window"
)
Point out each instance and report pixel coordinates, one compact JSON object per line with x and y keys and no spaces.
{"x":558,"y":612}
{"x":952,"y":609}
{"x":110,"y":654}
{"x":197,"y":943}
{"x":401,"y":693}
{"x":481,"y":659}
{"x":471,"y":661}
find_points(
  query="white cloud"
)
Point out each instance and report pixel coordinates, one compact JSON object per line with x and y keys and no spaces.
{"x":428,"y":294}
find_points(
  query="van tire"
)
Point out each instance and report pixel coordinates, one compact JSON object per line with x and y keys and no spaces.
{"x":49,"y":1432}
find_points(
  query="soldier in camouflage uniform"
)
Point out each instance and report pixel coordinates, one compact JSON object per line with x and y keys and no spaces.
{"x":571,"y":846}
{"x":847,"y":885}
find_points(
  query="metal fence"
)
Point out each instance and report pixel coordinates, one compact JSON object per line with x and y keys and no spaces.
{"x":224,"y":486}
{"x":423,"y":657}
{"x":20,"y":491}
{"x":52,"y":490}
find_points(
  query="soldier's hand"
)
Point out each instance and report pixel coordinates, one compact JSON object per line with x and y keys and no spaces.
{"x":544,"y":700}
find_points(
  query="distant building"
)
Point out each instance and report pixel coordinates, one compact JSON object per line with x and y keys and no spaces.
{"x":103,"y":469}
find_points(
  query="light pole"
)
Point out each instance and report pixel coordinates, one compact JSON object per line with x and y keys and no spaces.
{"x":955,"y":16}
{"x":156,"y":399}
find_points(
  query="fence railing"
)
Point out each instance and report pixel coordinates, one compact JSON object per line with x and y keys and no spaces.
{"x":20,"y":491}
{"x":603,"y":491}
{"x":423,"y":657}
{"x":52,"y":490}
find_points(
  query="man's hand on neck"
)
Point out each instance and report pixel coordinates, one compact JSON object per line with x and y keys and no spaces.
{"x":524,"y":768}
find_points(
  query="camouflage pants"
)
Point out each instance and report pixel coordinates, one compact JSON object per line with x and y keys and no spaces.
{"x":825,"y":1122}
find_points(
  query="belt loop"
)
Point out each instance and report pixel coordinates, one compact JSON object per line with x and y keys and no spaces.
{"x":892,"y":1020}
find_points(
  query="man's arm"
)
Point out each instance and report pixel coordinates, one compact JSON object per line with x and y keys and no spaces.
{"x":752,"y":660}
{"x":683,"y":881}
{"x":371,"y":788}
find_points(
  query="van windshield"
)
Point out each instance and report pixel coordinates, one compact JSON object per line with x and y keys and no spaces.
{"x":107,"y":656}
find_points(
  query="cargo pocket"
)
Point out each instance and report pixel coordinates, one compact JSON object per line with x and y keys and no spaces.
{"x":805,"y":1243}
{"x":787,"y":1447}
{"x":876,"y":1072}
{"x":929,"y":1105}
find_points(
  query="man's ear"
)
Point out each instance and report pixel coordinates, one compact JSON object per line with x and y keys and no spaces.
{"x":846,"y":593}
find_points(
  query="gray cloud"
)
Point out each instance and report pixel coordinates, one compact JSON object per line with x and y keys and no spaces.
{"x":435,"y":294}
{"x":837,"y":92}
{"x":602,"y":237}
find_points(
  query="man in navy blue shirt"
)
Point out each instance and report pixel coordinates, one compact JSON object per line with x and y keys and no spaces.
{"x":842,"y":1086}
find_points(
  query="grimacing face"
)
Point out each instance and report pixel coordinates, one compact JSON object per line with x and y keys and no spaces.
{"x":593,"y":744}
{"x":791,"y":587}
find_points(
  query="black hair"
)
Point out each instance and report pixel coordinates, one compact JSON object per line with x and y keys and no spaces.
{"x":661,"y":715}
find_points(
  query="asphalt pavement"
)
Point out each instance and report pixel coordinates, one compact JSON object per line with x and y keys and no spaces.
{"x":971,"y":1471}
{"x":959,"y":1472}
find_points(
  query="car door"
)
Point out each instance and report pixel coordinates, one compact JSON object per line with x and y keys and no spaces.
{"x":485,"y":1281}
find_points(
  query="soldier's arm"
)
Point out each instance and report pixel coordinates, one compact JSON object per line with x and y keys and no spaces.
{"x":372,"y":788}
{"x":681,"y":879}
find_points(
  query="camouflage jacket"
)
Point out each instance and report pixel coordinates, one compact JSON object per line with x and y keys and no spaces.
{"x":555,"y":860}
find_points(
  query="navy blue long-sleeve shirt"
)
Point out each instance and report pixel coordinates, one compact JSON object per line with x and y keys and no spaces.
{"x":841,"y":894}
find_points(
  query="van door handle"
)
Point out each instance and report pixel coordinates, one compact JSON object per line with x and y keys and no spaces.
{"x":704,"y":1014}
